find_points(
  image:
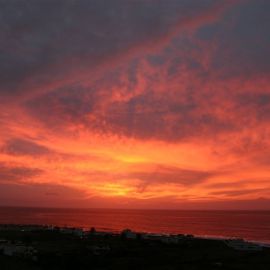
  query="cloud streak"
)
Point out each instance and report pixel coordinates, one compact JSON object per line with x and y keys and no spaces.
{"x":24,"y":147}
{"x":15,"y":174}
{"x":51,"y":41}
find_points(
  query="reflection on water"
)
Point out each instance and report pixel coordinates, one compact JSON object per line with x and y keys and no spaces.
{"x":254,"y":225}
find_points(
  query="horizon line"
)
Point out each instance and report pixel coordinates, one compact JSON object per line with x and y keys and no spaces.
{"x":140,"y":209}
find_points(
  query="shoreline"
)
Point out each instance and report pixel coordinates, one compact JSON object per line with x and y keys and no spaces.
{"x":38,"y":247}
{"x":221,"y":224}
{"x":137,"y":209}
{"x":108,"y":231}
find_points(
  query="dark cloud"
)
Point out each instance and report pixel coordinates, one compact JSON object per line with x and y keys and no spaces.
{"x":44,"y":41}
{"x":48,"y":195}
{"x":175,"y":71}
{"x":45,"y":38}
{"x":49,"y":39}
{"x":257,"y":103}
{"x":164,"y":119}
{"x":16,"y":174}
{"x":171,"y":175}
{"x":70,"y":104}
{"x":241,"y":43}
{"x":236,"y":193}
{"x":222,"y":185}
{"x":254,"y":99}
{"x":144,"y":116}
{"x":24,"y":147}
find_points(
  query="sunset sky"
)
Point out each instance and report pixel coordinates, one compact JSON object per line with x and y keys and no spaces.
{"x":135,"y":104}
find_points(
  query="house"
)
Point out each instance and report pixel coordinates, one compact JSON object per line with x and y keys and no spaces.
{"x":164,"y":238}
{"x":18,"y":250}
{"x":78,"y":232}
{"x":170,"y":239}
{"x":74,"y":231}
{"x":240,"y":244}
{"x":152,"y":236}
{"x":128,"y":234}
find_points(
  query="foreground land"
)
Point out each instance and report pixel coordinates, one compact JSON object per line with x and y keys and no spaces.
{"x":56,"y":248}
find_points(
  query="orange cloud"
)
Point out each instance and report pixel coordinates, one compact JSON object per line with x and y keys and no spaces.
{"x":168,"y":118}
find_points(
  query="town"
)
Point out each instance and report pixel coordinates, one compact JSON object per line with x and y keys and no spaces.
{"x":51,"y":247}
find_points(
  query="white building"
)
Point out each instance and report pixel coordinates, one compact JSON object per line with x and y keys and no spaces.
{"x":17,"y":250}
{"x":129,"y":234}
{"x":240,"y":244}
{"x":74,"y":231}
{"x":170,"y":240}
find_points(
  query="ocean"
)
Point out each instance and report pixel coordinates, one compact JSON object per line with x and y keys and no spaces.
{"x":250,"y":225}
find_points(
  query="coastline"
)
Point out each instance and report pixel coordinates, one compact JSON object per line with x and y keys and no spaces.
{"x":42,"y":247}
{"x":108,"y":231}
{"x":248,"y":225}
